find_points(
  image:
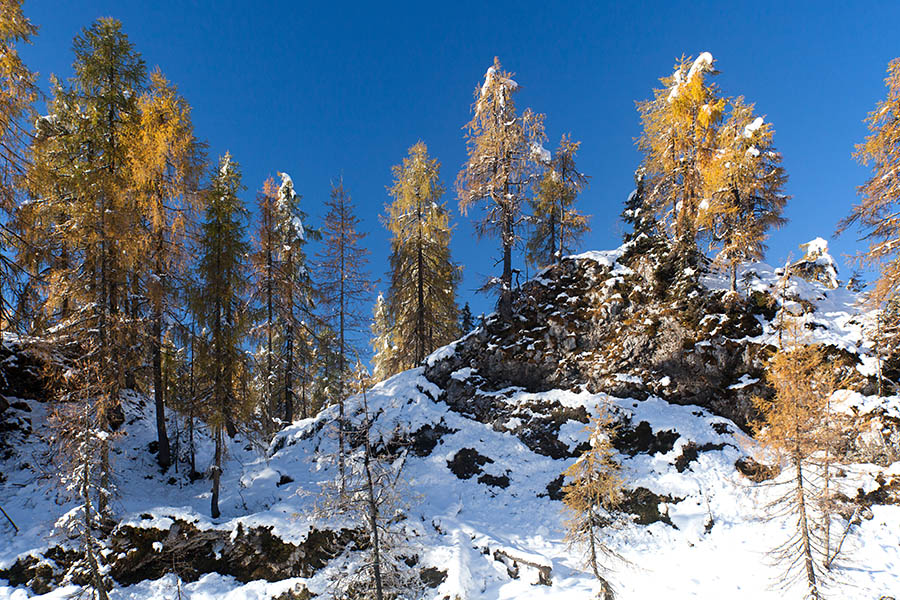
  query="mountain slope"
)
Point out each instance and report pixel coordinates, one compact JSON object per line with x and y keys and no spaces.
{"x":488,"y":426}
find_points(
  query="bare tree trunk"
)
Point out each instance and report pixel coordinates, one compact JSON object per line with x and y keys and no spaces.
{"x":806,"y":543}
{"x":90,"y":551}
{"x":506,"y":280}
{"x":373,"y":506}
{"x":216,"y":474}
{"x":163,"y":456}
{"x":289,"y":342}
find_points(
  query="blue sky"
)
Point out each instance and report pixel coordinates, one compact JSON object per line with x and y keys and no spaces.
{"x":328,"y":88}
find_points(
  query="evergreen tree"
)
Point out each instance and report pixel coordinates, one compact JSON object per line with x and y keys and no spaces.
{"x":637,"y":214}
{"x":680,"y":128}
{"x":593,"y":495}
{"x":382,"y":341}
{"x":217,"y":302}
{"x":294,"y":298}
{"x":164,"y":161}
{"x":344,"y":287}
{"x":422,"y":296}
{"x":504,"y":149}
{"x":466,"y":320}
{"x":877,"y":214}
{"x":745,"y":182}
{"x":18,"y":91}
{"x":557,"y":224}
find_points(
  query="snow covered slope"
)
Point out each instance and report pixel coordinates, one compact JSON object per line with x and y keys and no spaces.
{"x":482,"y":488}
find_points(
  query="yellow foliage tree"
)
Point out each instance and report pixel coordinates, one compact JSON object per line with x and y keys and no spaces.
{"x":593,"y":494}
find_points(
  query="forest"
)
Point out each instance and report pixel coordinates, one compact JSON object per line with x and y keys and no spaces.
{"x":135,"y":265}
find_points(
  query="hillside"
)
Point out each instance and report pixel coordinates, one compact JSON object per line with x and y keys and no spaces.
{"x":486,"y":427}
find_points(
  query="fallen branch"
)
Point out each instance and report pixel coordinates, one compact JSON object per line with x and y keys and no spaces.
{"x":8,"y":518}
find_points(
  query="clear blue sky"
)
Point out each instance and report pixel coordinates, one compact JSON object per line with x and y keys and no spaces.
{"x":319,"y":89}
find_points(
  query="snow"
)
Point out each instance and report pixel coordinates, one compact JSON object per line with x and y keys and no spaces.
{"x":540,"y":153}
{"x":716,"y":549}
{"x":702,"y":63}
{"x":751,"y":128}
{"x":743,"y":382}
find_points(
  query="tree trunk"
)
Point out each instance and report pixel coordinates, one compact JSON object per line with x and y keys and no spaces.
{"x":289,"y":342}
{"x":373,"y":507}
{"x":506,"y":280}
{"x":216,"y":475}
{"x":162,"y":437}
{"x":90,"y":551}
{"x":806,"y":543}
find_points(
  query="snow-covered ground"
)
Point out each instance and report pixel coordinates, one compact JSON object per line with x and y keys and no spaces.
{"x":714,"y":545}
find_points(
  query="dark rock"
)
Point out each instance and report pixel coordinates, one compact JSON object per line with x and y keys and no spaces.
{"x":246,"y":555}
{"x":554,"y":488}
{"x":432,"y":577}
{"x":644,"y":505}
{"x":690,"y":451}
{"x":426,"y":438}
{"x":632,"y":441}
{"x":502,"y":481}
{"x":284,"y":480}
{"x":755,"y":471}
{"x":467,"y":463}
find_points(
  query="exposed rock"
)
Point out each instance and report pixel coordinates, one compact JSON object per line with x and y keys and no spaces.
{"x":467,"y":463}
{"x":756,"y":471}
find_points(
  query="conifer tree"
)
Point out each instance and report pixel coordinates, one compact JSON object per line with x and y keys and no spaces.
{"x":422,"y":295}
{"x":372,"y":495}
{"x":877,"y":215}
{"x":83,"y":221}
{"x":382,"y":341}
{"x":85,"y":213}
{"x":744,"y":183}
{"x":466,"y":320}
{"x":557,"y":223}
{"x":796,"y":425}
{"x":18,"y":91}
{"x":344,"y":286}
{"x":504,"y":149}
{"x":593,"y":495}
{"x":80,"y":420}
{"x":295,"y":298}
{"x":164,"y":161}
{"x":217,"y":302}
{"x":265,"y":277}
{"x":680,"y":127}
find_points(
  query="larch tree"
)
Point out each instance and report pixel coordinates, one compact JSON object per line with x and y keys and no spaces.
{"x":217,"y":304}
{"x":593,"y":494}
{"x":744,"y":185}
{"x":18,"y":92}
{"x":344,"y":286}
{"x":421,"y":300}
{"x":80,"y":425}
{"x":877,"y":215}
{"x":504,"y":149}
{"x":165,"y":161}
{"x":265,"y":274}
{"x":557,"y":224}
{"x":85,"y":216}
{"x":797,"y":427}
{"x":678,"y":141}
